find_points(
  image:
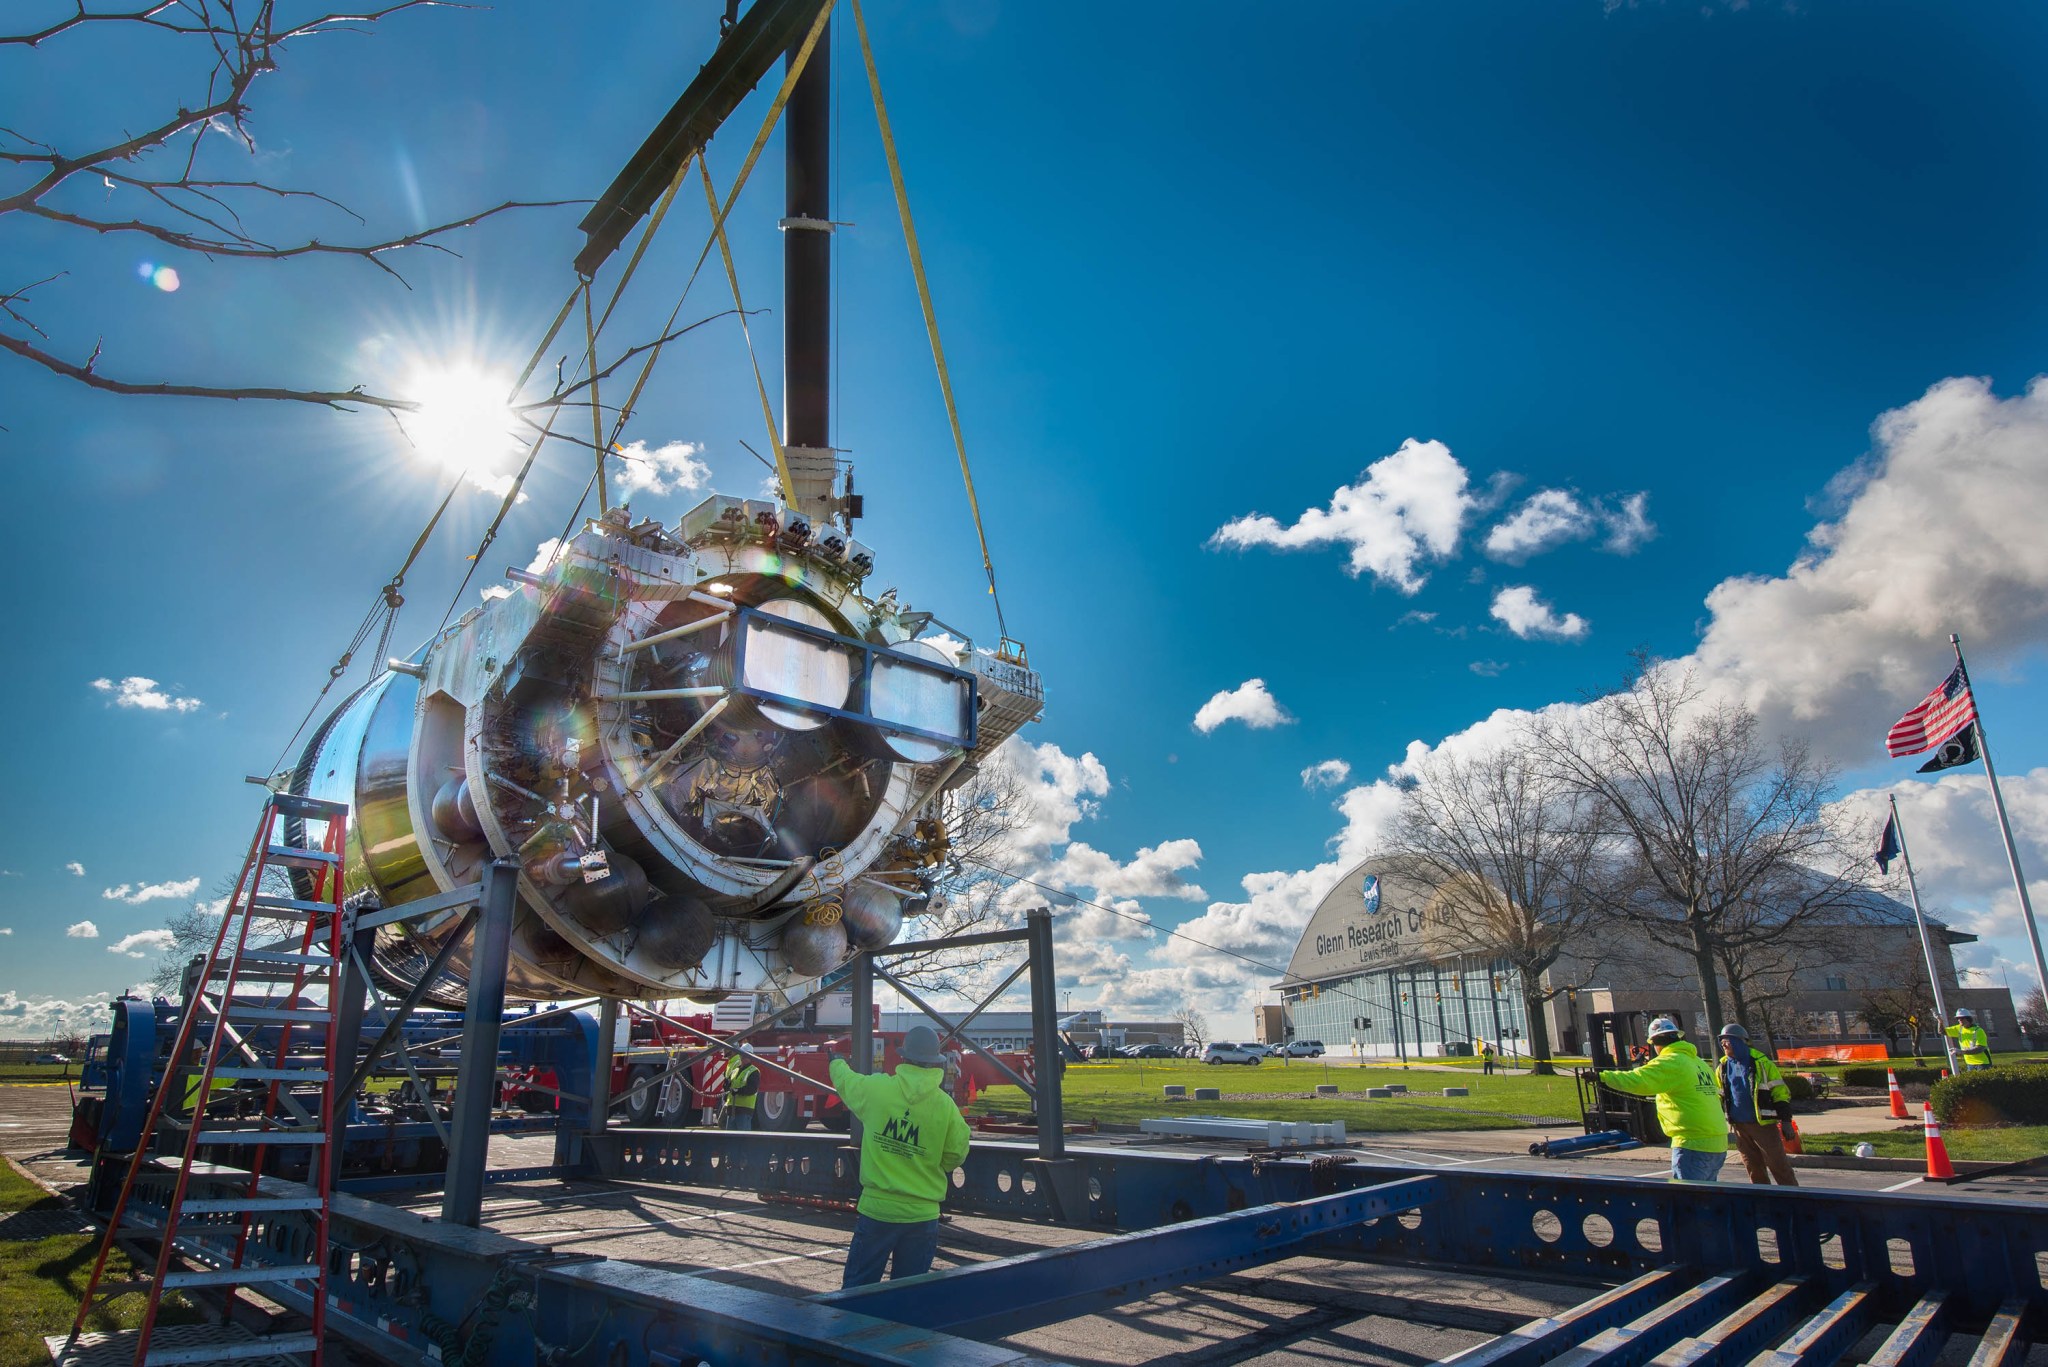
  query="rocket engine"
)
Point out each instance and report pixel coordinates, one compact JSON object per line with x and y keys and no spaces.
{"x":715,"y":759}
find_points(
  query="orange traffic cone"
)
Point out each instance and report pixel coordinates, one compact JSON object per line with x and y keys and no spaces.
{"x":1899,"y":1111}
{"x":1939,"y":1169}
{"x":1791,"y":1132}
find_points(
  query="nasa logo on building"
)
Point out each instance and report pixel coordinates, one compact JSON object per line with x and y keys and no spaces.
{"x":1369,"y":893}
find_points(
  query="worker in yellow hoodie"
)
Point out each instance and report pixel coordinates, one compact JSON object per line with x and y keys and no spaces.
{"x":1688,"y":1104}
{"x":912,"y":1136}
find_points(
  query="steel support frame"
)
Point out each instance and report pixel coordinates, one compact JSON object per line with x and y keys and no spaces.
{"x":1906,"y":1244}
{"x":413,"y":1291}
{"x":476,"y":1078}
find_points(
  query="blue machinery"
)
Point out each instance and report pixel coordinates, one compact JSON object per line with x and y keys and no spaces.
{"x":1699,"y":1275}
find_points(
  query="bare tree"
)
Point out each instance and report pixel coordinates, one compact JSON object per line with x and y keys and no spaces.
{"x":1512,"y":849}
{"x":1710,"y":820}
{"x":1194,"y":1027}
{"x":2034,"y":1014}
{"x":194,"y":926}
{"x":186,"y":177}
{"x":980,"y":819}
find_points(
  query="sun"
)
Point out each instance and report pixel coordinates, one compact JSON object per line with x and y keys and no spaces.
{"x":465,"y":422}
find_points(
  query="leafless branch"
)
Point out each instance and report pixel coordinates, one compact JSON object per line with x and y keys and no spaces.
{"x":561,"y":396}
{"x":88,"y":375}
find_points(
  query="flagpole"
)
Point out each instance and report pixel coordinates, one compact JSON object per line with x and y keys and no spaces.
{"x":1926,"y":943}
{"x":2012,"y":853}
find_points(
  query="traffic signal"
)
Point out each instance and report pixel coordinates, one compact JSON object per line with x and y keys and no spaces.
{"x":1439,"y":999}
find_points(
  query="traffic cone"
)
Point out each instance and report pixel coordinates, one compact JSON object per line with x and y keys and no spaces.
{"x":1791,"y":1132}
{"x":1939,"y":1169}
{"x":1899,"y":1111}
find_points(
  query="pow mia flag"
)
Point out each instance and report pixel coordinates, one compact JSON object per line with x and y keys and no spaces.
{"x":1957,"y":750}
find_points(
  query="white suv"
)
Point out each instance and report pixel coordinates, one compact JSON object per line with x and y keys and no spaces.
{"x":1219,"y":1052}
{"x":1304,"y":1048}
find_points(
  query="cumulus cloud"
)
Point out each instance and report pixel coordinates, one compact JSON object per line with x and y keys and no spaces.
{"x":1529,"y":617}
{"x":1406,"y":509}
{"x":82,"y":930}
{"x":1152,"y":872}
{"x":35,"y":1017}
{"x":667,"y":469}
{"x":75,"y":869}
{"x":144,"y":696}
{"x":6,"y":930}
{"x":143,"y":943}
{"x":1549,"y":518}
{"x":1326,"y":774}
{"x":150,"y":892}
{"x":1249,"y":703}
{"x":1942,"y":535}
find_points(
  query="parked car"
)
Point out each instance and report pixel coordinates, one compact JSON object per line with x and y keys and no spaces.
{"x":55,"y":1060}
{"x":1151,"y":1051}
{"x":1304,"y":1048}
{"x":1262,"y":1050}
{"x":1220,"y":1052}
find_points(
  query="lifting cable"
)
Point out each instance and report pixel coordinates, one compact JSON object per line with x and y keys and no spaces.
{"x":732,"y":278}
{"x":924,"y":299}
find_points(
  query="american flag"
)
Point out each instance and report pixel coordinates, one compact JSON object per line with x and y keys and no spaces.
{"x":1935,"y":718}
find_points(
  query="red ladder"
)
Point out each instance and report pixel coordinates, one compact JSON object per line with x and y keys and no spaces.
{"x":231,"y":1052}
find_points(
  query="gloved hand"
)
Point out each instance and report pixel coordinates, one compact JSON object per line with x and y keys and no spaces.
{"x":1784,"y":1109}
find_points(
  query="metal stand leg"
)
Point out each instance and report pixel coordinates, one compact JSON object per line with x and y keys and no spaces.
{"x":348,"y":1034}
{"x":1058,"y":1172}
{"x":476,"y":1075}
{"x":601,"y":1083}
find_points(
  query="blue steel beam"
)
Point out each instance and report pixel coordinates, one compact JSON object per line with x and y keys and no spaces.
{"x":679,"y":1319}
{"x":1828,"y":1334}
{"x":1009,"y":1295}
{"x":1741,"y":1333}
{"x":1540,"y":1340}
{"x":2006,"y":1342}
{"x":1919,"y":1338}
{"x":1641,"y":1338}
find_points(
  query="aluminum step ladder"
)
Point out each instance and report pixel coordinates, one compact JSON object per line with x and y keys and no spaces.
{"x":246,"y":1047}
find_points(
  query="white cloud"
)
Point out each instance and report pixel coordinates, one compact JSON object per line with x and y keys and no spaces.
{"x":1528,"y":616}
{"x":666,"y":469}
{"x":82,"y":930}
{"x":1249,"y":703}
{"x":1407,"y":508}
{"x":1549,"y":518}
{"x":6,"y":930}
{"x":1327,"y":774}
{"x":142,"y":943}
{"x":1942,"y":535}
{"x":1152,"y":872}
{"x":1628,"y":524}
{"x":144,"y":695}
{"x":36,"y":1017}
{"x":75,"y":869}
{"x":151,"y":892}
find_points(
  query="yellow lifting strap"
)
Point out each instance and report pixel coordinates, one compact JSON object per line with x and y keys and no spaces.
{"x":732,"y":278}
{"x":596,"y":408}
{"x":924,"y":298}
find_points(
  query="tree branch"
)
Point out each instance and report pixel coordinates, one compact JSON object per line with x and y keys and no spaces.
{"x":86,"y":374}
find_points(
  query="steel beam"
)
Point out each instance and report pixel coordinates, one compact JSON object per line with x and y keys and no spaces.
{"x":1647,"y":1335}
{"x":1009,"y":1295}
{"x":1045,"y":1041}
{"x":476,"y":1080}
{"x":2006,"y":1341}
{"x":1920,"y":1335}
{"x":1742,"y":1333}
{"x":1541,"y":1340}
{"x":1828,"y":1334}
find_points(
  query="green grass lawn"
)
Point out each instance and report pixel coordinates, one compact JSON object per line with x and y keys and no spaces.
{"x":38,"y":1072}
{"x":41,"y":1281}
{"x":1989,"y":1144}
{"x":1127,"y":1091}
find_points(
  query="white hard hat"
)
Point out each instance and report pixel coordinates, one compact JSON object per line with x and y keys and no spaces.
{"x":747,"y":1049}
{"x":1965,"y":1013}
{"x":1662,"y":1026}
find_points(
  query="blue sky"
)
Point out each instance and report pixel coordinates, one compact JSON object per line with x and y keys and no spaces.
{"x":1193,"y":264}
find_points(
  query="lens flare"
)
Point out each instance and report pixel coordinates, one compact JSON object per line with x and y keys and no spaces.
{"x":465,"y":423}
{"x":163,"y":277}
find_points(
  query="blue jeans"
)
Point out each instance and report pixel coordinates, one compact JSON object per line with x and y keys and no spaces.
{"x":875,"y":1241}
{"x":1690,"y":1165}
